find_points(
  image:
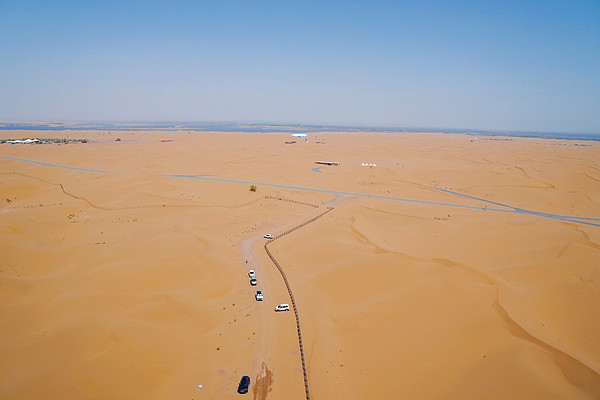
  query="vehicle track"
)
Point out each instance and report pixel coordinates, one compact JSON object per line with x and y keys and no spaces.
{"x":291,"y":294}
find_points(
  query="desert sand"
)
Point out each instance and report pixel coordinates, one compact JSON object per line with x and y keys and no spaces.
{"x":459,"y":267}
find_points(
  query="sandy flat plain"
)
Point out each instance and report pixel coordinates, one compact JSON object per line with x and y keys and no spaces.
{"x":132,"y":283}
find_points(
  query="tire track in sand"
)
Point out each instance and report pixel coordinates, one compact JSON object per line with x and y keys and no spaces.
{"x":264,"y":377}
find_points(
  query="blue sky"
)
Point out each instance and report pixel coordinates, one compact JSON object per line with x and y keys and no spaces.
{"x":508,"y":65}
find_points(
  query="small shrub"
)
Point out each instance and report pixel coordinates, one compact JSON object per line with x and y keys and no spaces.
{"x":253,"y":188}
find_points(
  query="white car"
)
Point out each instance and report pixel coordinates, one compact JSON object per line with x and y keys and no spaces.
{"x":258,"y":295}
{"x":253,"y":281}
{"x":251,"y":274}
{"x":268,"y":236}
{"x":283,"y":307}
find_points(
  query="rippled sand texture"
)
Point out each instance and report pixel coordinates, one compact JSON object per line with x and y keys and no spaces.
{"x":131,"y":284}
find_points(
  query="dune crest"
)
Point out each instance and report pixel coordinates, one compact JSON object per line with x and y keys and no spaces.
{"x":452,"y":268}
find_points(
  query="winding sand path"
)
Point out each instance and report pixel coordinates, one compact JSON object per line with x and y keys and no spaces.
{"x":264,"y":350}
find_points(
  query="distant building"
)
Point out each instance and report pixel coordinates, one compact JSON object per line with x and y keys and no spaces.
{"x":24,"y":141}
{"x":335,"y":163}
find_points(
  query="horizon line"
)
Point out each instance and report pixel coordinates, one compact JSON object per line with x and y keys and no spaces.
{"x":386,"y":128}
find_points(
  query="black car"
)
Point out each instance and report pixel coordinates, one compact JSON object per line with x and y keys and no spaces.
{"x":244,"y":383}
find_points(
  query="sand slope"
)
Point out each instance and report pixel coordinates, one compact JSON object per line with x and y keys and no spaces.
{"x":132,"y":284}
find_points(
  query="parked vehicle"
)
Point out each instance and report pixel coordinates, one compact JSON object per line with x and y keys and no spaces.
{"x":258,"y":295}
{"x":243,"y":386}
{"x":251,"y":274}
{"x":253,"y":281}
{"x":283,"y":307}
{"x":268,"y":236}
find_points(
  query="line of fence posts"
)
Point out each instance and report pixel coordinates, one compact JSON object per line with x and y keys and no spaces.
{"x":291,"y":201}
{"x":291,"y":294}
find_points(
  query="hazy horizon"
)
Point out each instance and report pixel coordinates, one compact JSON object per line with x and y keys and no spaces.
{"x":514,"y":66}
{"x":275,"y":127}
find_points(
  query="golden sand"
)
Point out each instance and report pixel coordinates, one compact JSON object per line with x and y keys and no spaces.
{"x":130,"y":284}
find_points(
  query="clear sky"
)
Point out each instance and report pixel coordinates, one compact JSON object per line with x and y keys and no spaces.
{"x":509,"y":65}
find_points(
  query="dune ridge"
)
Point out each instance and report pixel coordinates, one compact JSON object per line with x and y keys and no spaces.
{"x":135,"y":284}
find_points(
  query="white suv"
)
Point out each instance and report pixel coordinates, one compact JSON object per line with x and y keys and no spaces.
{"x":268,"y":236}
{"x":251,"y":274}
{"x":283,"y":307}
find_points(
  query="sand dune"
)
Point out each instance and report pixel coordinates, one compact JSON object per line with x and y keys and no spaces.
{"x":130,"y":283}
